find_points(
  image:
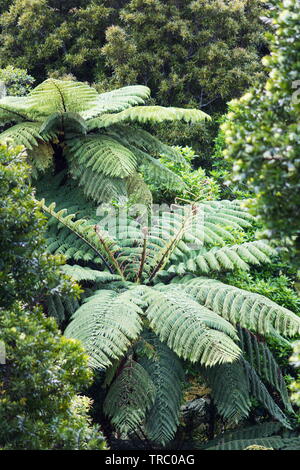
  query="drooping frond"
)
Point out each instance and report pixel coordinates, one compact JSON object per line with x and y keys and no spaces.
{"x":167,"y":374}
{"x":79,"y":273}
{"x":193,"y":332}
{"x":248,"y":434}
{"x":60,"y":307}
{"x":40,"y":158}
{"x":145,"y":141}
{"x":252,"y":311}
{"x":154,"y":114}
{"x":117,"y":100}
{"x":129,"y":397}
{"x":263,"y":361}
{"x":25,"y":133}
{"x":260,"y":392}
{"x":229,"y":389}
{"x":107,"y":324}
{"x":61,"y":96}
{"x":273,"y":443}
{"x":14,"y":109}
{"x":226,"y":258}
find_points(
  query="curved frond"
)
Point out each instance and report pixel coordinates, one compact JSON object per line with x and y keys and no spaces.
{"x":252,"y":311}
{"x":117,"y":100}
{"x":62,"y":96}
{"x":107,"y":324}
{"x":229,"y":389}
{"x":154,"y":114}
{"x":193,"y":332}
{"x":102,"y":154}
{"x":79,"y":273}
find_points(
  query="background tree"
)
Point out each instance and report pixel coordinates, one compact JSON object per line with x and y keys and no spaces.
{"x":262,"y":131}
{"x":190,"y":53}
{"x":51,"y":35}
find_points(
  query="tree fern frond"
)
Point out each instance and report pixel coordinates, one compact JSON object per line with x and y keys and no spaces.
{"x":25,"y":133}
{"x":107,"y":324}
{"x":62,"y":96}
{"x":193,"y":332}
{"x":146,"y":142}
{"x":129,"y":397}
{"x":68,"y":123}
{"x":102,"y":154}
{"x":79,"y":273}
{"x":117,"y":100}
{"x":229,"y":389}
{"x":273,"y":442}
{"x":252,"y":311}
{"x":261,"y":358}
{"x":154,"y":114}
{"x":166,"y":372}
{"x":259,"y":391}
{"x":226,"y":258}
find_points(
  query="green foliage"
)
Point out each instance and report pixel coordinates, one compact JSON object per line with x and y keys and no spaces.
{"x":198,"y":186}
{"x":36,"y":361}
{"x":198,"y":319}
{"x":26,"y":272}
{"x":39,"y":363}
{"x":295,"y":386}
{"x":17,"y":81}
{"x":189,"y":52}
{"x":49,"y":35}
{"x":262,"y":131}
{"x":66,"y":124}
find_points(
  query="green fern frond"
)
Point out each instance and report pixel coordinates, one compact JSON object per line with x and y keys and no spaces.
{"x":166,"y":373}
{"x":68,"y":123}
{"x":107,"y":324}
{"x":103,"y":155}
{"x":259,"y":391}
{"x":261,"y":358}
{"x":274,"y":442}
{"x":129,"y":397}
{"x":229,"y":389}
{"x":117,"y":100}
{"x":190,"y":330}
{"x":154,"y":114}
{"x":62,"y":96}
{"x":79,"y":273}
{"x":25,"y":133}
{"x":252,"y":311}
{"x":226,"y":259}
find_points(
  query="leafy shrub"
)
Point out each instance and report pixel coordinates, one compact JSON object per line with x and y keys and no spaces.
{"x":262,"y":131}
{"x":17,"y":81}
{"x":40,"y":371}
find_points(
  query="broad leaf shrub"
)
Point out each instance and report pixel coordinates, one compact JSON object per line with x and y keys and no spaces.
{"x":262,"y":131}
{"x":41,"y":372}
